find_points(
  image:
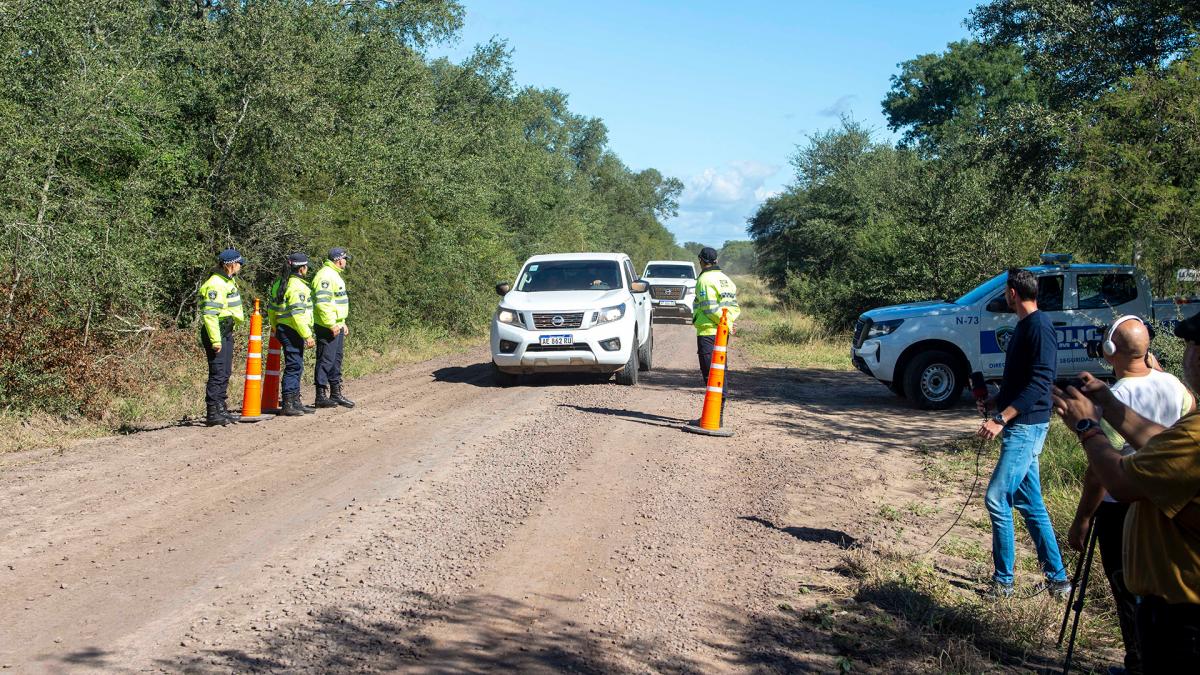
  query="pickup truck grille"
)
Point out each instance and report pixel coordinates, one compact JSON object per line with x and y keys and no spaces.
{"x":555,"y":321}
{"x":668,"y":292}
{"x":861,"y":327}
{"x":577,"y":347}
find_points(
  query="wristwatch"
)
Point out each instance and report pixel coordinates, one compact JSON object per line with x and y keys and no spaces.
{"x":998,"y":418}
{"x":1086,"y":424}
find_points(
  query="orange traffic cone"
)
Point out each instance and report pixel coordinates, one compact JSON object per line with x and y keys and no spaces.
{"x":270,"y":381}
{"x":252,"y":398}
{"x":710,"y":417}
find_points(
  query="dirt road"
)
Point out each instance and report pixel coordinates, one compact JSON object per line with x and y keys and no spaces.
{"x":447,"y":525}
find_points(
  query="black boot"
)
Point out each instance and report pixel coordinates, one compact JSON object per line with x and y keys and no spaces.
{"x":323,"y":400}
{"x":337,"y":397}
{"x":213,"y":416}
{"x":228,"y":415}
{"x":290,"y":406}
{"x":302,"y":407}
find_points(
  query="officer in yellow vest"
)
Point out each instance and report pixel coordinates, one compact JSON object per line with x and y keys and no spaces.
{"x":331,"y":305}
{"x":291,"y":300}
{"x":220,"y":306}
{"x":714,"y":292}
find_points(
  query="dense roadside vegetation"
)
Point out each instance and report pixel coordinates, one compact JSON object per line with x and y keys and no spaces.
{"x":1060,"y":125}
{"x":140,"y":138}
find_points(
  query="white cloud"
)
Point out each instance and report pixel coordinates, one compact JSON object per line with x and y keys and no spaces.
{"x":717,"y":201}
{"x":839,"y":107}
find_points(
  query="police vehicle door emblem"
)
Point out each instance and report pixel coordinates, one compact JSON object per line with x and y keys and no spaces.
{"x":1003,"y":337}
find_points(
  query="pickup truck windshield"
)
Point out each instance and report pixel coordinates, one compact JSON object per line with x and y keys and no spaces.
{"x":670,"y":272}
{"x":983,"y":290}
{"x":570,"y":275}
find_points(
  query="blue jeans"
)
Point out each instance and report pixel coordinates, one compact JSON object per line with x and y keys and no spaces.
{"x":1017,"y":482}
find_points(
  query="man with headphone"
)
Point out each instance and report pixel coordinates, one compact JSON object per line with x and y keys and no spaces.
{"x":1157,"y":396}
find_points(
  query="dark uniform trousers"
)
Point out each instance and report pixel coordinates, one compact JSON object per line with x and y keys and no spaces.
{"x":704,"y":350}
{"x":329,"y":357}
{"x":1110,"y":536}
{"x":1168,"y":636}
{"x":220,"y":365}
{"x":293,"y":357}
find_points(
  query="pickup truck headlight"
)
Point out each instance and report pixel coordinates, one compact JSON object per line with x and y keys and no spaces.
{"x":883,"y":328}
{"x":508,"y":316}
{"x":609,"y":314}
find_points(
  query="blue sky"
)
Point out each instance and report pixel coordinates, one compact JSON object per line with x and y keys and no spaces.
{"x":717,"y":94}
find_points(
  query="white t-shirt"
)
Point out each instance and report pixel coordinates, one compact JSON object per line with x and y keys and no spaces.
{"x":1159,"y":397}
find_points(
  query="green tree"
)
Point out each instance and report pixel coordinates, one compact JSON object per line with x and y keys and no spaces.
{"x":1135,"y":188}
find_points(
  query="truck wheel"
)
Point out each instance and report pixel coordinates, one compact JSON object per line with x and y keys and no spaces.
{"x":629,"y":374}
{"x":646,"y":352}
{"x":503,"y":379}
{"x":897,"y":387}
{"x":932,"y":381}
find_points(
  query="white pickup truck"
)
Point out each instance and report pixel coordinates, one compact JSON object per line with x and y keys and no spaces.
{"x":925,"y":351}
{"x":672,"y":288}
{"x":573,"y":312}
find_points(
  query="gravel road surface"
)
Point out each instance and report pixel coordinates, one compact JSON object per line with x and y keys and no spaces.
{"x":446,"y":525}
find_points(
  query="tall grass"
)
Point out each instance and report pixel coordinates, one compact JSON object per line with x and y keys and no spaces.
{"x":776,"y":334}
{"x":173,"y":389}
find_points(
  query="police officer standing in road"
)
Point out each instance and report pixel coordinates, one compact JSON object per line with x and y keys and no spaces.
{"x":714,"y":291}
{"x":331,"y":305}
{"x":291,"y":300}
{"x":220,"y":308}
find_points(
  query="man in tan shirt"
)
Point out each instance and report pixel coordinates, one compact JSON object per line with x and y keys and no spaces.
{"x":1162,"y":531}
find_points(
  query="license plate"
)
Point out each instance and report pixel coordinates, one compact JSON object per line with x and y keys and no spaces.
{"x":666,"y":303}
{"x":557,"y":340}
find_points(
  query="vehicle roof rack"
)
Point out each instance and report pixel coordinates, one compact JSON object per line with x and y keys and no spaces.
{"x":1060,"y":259}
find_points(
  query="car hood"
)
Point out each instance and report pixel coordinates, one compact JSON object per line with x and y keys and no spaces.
{"x":912,"y":310}
{"x":563,"y":301}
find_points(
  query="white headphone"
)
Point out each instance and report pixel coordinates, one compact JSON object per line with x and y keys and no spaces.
{"x":1109,"y":346}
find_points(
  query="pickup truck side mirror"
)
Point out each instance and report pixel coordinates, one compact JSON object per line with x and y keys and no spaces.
{"x":998,"y":305}
{"x":639,"y":286}
{"x":503,"y":288}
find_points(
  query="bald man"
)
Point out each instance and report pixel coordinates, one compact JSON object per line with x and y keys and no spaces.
{"x":1157,"y":396}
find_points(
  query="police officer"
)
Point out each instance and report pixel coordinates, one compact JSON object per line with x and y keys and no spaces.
{"x":291,"y":301}
{"x":714,"y":292}
{"x":220,"y":308}
{"x":331,"y":305}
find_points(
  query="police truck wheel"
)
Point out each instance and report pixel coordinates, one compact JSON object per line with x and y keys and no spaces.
{"x":629,"y":374}
{"x":932,"y":381}
{"x":503,"y":379}
{"x":646,"y":352}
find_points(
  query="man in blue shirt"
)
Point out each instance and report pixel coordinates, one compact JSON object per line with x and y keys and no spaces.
{"x":1022,"y":423}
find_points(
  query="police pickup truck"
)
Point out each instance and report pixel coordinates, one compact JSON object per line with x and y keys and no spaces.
{"x":925,"y":351}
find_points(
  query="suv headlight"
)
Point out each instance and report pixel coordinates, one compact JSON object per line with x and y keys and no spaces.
{"x":883,"y":328}
{"x":609,"y":314}
{"x":509,"y":316}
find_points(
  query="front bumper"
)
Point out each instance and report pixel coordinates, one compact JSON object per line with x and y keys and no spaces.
{"x":867,"y":358}
{"x":586,"y":353}
{"x":672,"y":308}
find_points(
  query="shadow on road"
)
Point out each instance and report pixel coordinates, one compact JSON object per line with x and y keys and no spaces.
{"x":813,"y":534}
{"x":631,"y":415}
{"x":480,"y":375}
{"x":490,"y":633}
{"x":834,"y":404}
